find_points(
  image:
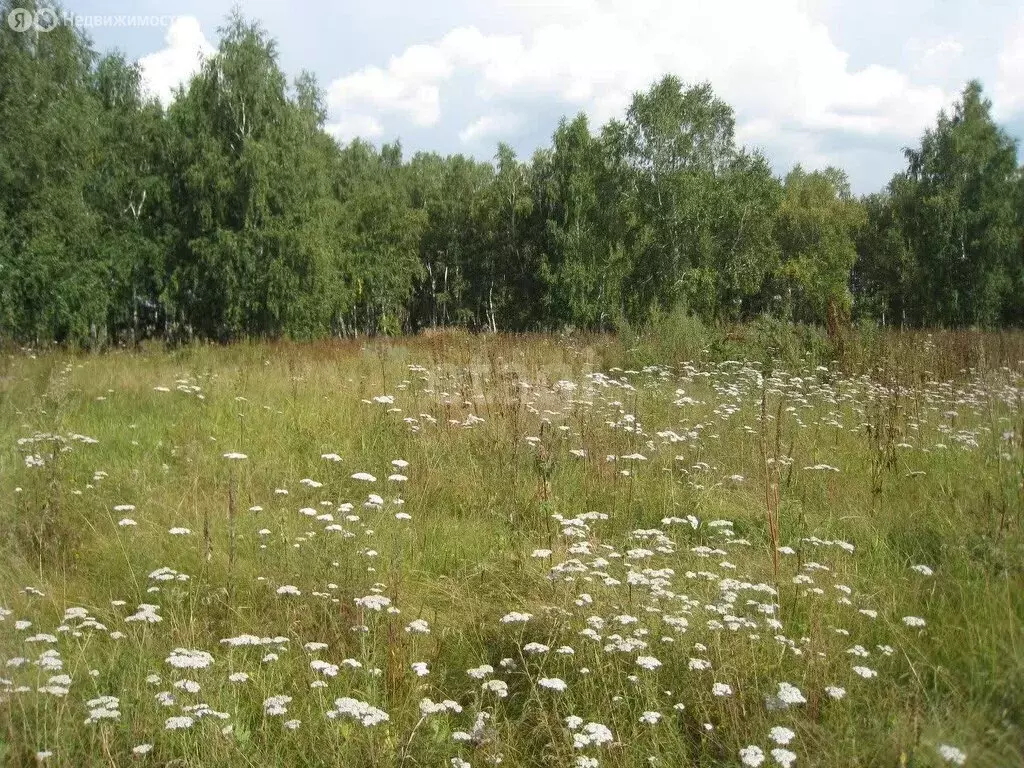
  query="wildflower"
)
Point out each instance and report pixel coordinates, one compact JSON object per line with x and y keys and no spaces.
{"x":650,"y":718}
{"x":784,"y":757}
{"x":789,"y":694}
{"x":592,"y":734}
{"x":324,"y":668}
{"x":288,"y":589}
{"x":125,"y":522}
{"x":866,"y":672}
{"x":365,"y":477}
{"x":721,"y":689}
{"x":235,"y":456}
{"x":238,"y":677}
{"x":781,"y":735}
{"x":330,"y":457}
{"x":420,"y":668}
{"x":276,"y":705}
{"x":516,"y":618}
{"x":185,"y":658}
{"x":835,"y":691}
{"x":952,"y":754}
{"x":498,"y":687}
{"x":535,"y":648}
{"x":365,"y":713}
{"x":141,"y":749}
{"x":913,"y":621}
{"x":189,"y":686}
{"x":924,"y":570}
{"x":751,"y":756}
{"x":179,"y":531}
{"x":103,"y":708}
{"x":647,"y":662}
{"x":541,"y":553}
{"x":458,"y":762}
{"x":178,"y":723}
{"x":418,"y":626}
{"x":373,"y":602}
{"x":292,"y":725}
{"x":552,"y":683}
{"x":479,"y":673}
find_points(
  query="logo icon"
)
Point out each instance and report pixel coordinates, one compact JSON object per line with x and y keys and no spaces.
{"x":46,"y":19}
{"x":21,"y":19}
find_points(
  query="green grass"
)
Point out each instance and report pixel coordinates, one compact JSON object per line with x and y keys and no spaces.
{"x":917,"y":484}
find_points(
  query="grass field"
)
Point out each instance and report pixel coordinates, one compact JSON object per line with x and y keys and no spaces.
{"x":527,"y":552}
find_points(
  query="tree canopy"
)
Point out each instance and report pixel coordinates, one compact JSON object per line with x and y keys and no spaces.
{"x":234,"y":213}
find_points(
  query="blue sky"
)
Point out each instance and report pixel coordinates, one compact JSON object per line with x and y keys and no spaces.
{"x":812,"y":81}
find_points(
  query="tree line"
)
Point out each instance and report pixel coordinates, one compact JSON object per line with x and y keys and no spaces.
{"x":233,"y":213}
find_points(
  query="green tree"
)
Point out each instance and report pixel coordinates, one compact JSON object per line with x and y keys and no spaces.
{"x":962,"y":223}
{"x":816,"y":228}
{"x":54,"y":281}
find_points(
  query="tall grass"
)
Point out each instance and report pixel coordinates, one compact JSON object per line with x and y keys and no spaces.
{"x":647,"y":480}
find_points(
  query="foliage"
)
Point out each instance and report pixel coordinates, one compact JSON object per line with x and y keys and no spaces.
{"x":234,"y":214}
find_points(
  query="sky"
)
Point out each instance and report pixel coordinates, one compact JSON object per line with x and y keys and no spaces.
{"x":816,"y":82}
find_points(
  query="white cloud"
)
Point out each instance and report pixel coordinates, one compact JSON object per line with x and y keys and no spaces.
{"x":489,"y":126}
{"x":773,"y":62}
{"x":1008,"y":99}
{"x":349,"y":127}
{"x":934,"y":58}
{"x":178,"y":61}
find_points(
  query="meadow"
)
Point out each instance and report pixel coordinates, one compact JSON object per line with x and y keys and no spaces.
{"x":519,"y":551}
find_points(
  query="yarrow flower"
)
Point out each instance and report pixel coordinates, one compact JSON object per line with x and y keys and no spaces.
{"x":647,"y":662}
{"x":751,"y":756}
{"x":276,"y":705}
{"x":784,"y":757}
{"x":186,"y":658}
{"x":552,"y":683}
{"x":178,"y":723}
{"x":419,"y":626}
{"x":790,"y":695}
{"x":913,"y":621}
{"x":479,"y":673}
{"x":498,"y":687}
{"x":365,"y":713}
{"x":781,"y":735}
{"x":592,"y":734}
{"x":515,"y":617}
{"x":952,"y":754}
{"x":103,"y":708}
{"x":373,"y":602}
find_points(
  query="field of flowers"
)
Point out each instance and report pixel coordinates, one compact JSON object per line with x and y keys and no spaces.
{"x":509,"y":552}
